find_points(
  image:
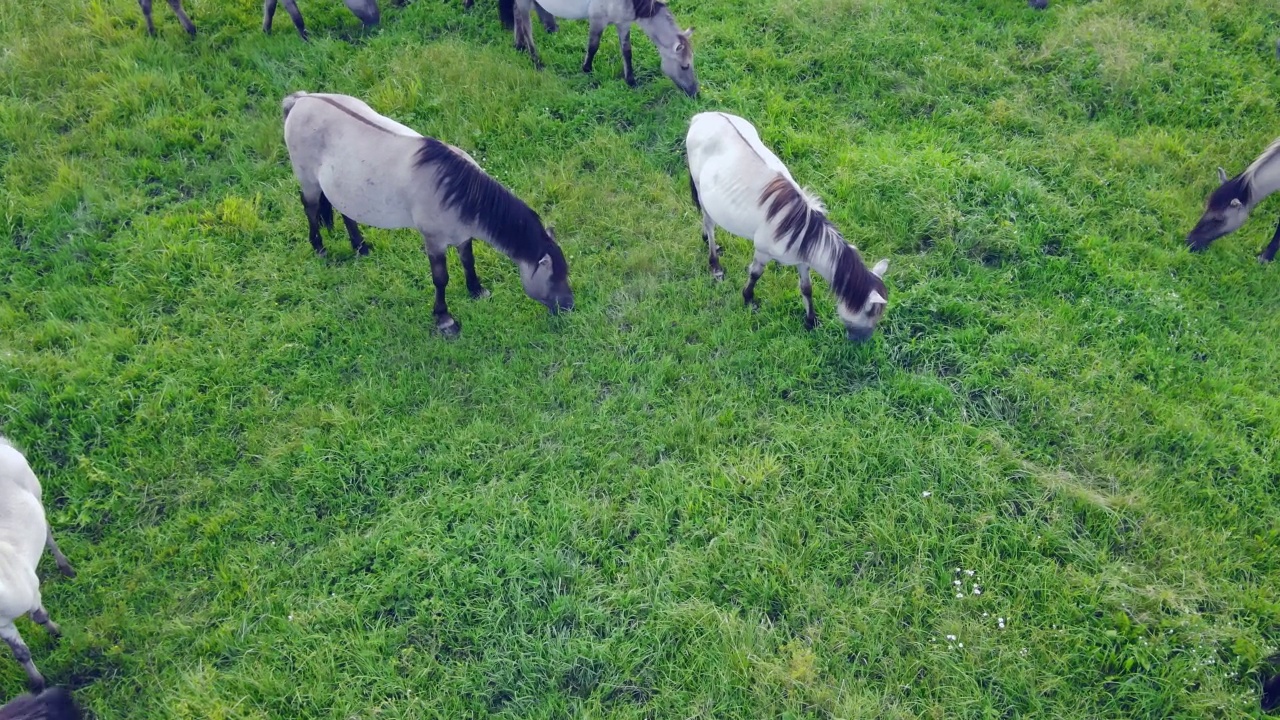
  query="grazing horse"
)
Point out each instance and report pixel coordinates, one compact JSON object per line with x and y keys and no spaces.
{"x":366,"y":10}
{"x":1231,"y":202}
{"x":187,"y":25}
{"x":378,"y":172}
{"x":674,"y":45}
{"x":24,"y":535}
{"x":52,"y":704}
{"x":741,"y":186}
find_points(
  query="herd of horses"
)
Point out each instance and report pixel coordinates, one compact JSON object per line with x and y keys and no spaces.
{"x":375,"y":171}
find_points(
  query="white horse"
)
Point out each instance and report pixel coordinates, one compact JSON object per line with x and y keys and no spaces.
{"x":675,"y":46}
{"x":744,"y":188}
{"x":378,"y":172}
{"x":24,"y":534}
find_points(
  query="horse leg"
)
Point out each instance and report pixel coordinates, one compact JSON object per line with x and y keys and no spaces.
{"x":187,"y":25}
{"x":1269,"y":253}
{"x":291,"y":7}
{"x":64,"y":565}
{"x":146,"y":13}
{"x":758,"y":264}
{"x":466,"y":4}
{"x":524,"y":32}
{"x":41,"y":617}
{"x":593,"y":42}
{"x":436,"y":252}
{"x":23,"y":655}
{"x":467,"y":255}
{"x":313,"y":210}
{"x":624,"y":39}
{"x":548,"y":20}
{"x":806,"y":293}
{"x":713,"y":250}
{"x":268,"y":12}
{"x":357,"y":240}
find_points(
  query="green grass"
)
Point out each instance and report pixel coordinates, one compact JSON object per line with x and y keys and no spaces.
{"x":288,"y":497}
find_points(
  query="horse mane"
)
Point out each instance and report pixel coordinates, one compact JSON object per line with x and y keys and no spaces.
{"x":804,"y":224}
{"x":52,"y":704}
{"x":646,"y":8}
{"x":480,"y":200}
{"x":1239,"y":188}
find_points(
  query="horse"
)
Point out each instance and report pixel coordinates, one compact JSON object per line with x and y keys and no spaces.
{"x":740,"y":185}
{"x":1231,"y":202}
{"x":24,"y":534}
{"x":187,"y":25}
{"x":365,"y":10}
{"x":53,"y":704}
{"x":378,"y":172}
{"x":675,"y":46}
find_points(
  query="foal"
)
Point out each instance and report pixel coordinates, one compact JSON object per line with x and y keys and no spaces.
{"x":1230,"y":204}
{"x":740,"y":185}
{"x":187,"y":25}
{"x":366,"y":10}
{"x":654,"y":18}
{"x":378,"y":172}
{"x":24,"y":534}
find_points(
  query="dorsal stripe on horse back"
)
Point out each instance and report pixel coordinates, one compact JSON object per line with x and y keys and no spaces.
{"x":350,"y":112}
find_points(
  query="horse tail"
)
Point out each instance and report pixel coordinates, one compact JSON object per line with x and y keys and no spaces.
{"x":290,"y":100}
{"x":52,"y":704}
{"x":693,"y":190}
{"x":507,"y":12}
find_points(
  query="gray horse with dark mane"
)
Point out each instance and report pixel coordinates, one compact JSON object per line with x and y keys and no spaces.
{"x":1231,"y":202}
{"x":377,"y":172}
{"x":675,"y":46}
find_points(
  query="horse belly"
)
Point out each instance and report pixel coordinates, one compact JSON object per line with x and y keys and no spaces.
{"x":367,"y":195}
{"x":567,"y":9}
{"x":724,"y":199}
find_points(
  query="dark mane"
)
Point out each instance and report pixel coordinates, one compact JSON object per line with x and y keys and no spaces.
{"x":809,"y":231}
{"x":1237,"y":188}
{"x":646,"y":8}
{"x":482,"y":201}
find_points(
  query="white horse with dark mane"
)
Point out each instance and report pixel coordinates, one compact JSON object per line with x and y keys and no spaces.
{"x":741,"y":186}
{"x":378,"y":172}
{"x":675,"y":46}
{"x":24,"y":535}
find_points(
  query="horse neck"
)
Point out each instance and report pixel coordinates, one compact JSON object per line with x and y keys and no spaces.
{"x":826,"y":256}
{"x":661,"y":28}
{"x":1264,"y":174}
{"x":517,"y":247}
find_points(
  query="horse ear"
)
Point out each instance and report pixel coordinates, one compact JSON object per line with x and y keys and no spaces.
{"x":545,"y":261}
{"x":881,"y":268}
{"x":551,"y":232}
{"x":1235,"y":202}
{"x":1222,"y":175}
{"x":876,"y":298}
{"x":688,"y":33}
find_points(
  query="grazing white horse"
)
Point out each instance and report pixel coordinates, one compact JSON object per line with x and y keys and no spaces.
{"x":378,"y":172}
{"x":675,"y":46}
{"x":744,"y":188}
{"x":24,"y":534}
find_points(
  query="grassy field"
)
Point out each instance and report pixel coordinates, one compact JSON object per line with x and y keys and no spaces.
{"x":288,"y":497}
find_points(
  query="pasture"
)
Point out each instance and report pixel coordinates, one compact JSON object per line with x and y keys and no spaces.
{"x":286,"y":495}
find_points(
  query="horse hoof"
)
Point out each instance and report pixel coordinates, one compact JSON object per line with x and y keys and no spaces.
{"x":450,"y":328}
{"x":1264,"y":259}
{"x":630,"y":81}
{"x":809,"y":323}
{"x":481,"y":294}
{"x":717,"y":274}
{"x":363,"y":249}
{"x":67,"y":571}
